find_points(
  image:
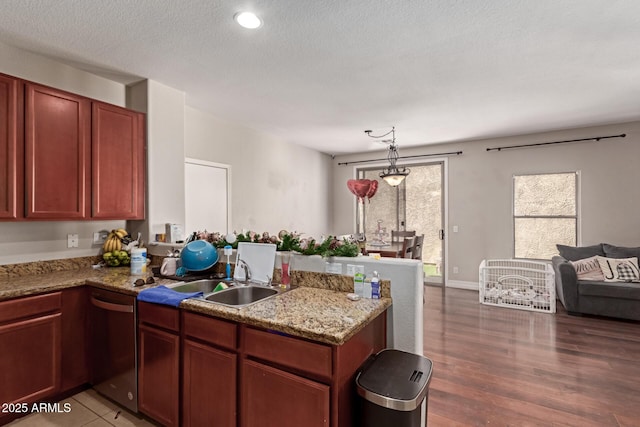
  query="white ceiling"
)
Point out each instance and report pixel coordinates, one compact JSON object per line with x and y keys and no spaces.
{"x":319,"y":72}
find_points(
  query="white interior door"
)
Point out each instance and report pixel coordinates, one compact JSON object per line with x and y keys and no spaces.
{"x":207,"y":196}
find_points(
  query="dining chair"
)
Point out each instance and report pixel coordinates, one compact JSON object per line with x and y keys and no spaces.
{"x":407,"y":247}
{"x":398,"y":235}
{"x":417,"y":247}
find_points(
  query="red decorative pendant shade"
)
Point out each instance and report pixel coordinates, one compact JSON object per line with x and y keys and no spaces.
{"x":362,"y":188}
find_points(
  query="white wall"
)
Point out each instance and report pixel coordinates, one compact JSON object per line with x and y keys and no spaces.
{"x":165,"y":155}
{"x":39,"y":69}
{"x":44,"y":240}
{"x":275,"y":185}
{"x":480,"y":190}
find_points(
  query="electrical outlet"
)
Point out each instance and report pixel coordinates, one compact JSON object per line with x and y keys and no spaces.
{"x":333,"y":268}
{"x":72,"y":240}
{"x":455,"y":228}
{"x":456,"y":270}
{"x":99,"y":237}
{"x":351,"y":270}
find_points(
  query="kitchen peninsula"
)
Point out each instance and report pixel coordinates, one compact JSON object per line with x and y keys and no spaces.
{"x":308,"y":341}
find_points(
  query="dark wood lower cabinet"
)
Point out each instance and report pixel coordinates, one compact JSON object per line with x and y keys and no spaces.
{"x":272,"y":397}
{"x":159,"y":362}
{"x":30,"y":350}
{"x":31,"y":370}
{"x":209,"y":386}
{"x":193,"y":369}
{"x":75,"y":359}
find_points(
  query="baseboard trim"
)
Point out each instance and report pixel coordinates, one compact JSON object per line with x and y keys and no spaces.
{"x":461,"y":284}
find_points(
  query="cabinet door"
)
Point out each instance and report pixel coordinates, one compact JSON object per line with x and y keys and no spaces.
{"x":209,"y":386}
{"x":271,"y":397}
{"x":158,"y":381}
{"x":30,"y":359}
{"x":118,"y":160}
{"x":57,"y":154}
{"x":10,"y":150}
{"x":75,"y":361}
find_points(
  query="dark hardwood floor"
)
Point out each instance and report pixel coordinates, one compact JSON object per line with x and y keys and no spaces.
{"x":504,"y":367}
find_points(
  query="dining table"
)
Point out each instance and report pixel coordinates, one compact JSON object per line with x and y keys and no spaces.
{"x":388,"y":249}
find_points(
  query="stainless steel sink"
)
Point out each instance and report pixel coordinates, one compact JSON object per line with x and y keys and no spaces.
{"x":238,"y":295}
{"x":241,"y":296}
{"x":205,"y":286}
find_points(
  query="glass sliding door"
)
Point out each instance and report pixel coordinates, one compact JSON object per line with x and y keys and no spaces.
{"x":416,"y":204}
{"x":386,"y":208}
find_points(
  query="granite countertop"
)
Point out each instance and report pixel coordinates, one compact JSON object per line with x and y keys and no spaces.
{"x":323,"y":315}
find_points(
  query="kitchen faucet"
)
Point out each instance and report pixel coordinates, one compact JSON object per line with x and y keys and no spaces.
{"x":247,"y":271}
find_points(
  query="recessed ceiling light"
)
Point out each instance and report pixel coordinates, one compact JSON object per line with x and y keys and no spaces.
{"x":247,"y":20}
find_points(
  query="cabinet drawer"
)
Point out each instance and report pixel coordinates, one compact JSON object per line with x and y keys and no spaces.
{"x":159,"y":315}
{"x":214,"y":331}
{"x":30,"y":306}
{"x":301,"y":355}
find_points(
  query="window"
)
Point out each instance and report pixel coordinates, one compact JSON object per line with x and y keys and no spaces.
{"x":545,"y":213}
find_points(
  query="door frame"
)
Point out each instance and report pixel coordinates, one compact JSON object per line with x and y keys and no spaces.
{"x":227,"y":168}
{"x":445,"y":200}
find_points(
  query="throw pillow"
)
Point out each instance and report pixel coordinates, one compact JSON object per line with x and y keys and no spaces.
{"x":620,"y":269}
{"x":620,"y":251}
{"x":575,"y":253}
{"x":588,"y":269}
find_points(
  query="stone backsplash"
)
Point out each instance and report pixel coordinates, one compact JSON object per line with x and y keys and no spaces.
{"x":42,"y":267}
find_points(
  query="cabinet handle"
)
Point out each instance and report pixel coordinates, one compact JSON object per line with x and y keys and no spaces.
{"x":111,"y":306}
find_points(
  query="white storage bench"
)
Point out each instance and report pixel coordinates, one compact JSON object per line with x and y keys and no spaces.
{"x":521,"y":284}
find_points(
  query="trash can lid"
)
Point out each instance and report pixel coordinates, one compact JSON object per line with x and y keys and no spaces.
{"x":395,"y":379}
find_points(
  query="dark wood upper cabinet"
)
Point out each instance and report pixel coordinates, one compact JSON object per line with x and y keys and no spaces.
{"x":57,"y":154}
{"x":118,"y":162}
{"x":10,"y":149}
{"x":67,"y":157}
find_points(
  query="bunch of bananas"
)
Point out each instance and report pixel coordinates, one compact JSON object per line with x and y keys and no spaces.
{"x":114,"y":240}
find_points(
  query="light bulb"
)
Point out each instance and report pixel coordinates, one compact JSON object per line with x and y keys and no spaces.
{"x":248,"y":20}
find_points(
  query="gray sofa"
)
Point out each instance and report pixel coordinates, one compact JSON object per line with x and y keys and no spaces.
{"x":613,"y":299}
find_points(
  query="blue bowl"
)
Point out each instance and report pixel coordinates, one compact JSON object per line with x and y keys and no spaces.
{"x":198,"y":255}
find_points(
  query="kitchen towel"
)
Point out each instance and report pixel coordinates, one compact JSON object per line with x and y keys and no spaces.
{"x":163,"y":295}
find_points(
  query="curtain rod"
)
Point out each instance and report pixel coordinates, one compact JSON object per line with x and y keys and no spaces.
{"x":595,"y":138}
{"x":457,"y":153}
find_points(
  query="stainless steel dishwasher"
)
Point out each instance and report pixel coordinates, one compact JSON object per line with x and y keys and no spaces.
{"x":113,"y":347}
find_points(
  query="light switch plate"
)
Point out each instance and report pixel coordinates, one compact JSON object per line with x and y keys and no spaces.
{"x":72,"y":240}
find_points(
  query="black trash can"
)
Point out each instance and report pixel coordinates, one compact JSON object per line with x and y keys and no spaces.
{"x":392,"y":385}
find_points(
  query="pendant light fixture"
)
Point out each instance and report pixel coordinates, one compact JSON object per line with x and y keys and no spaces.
{"x":392,"y":175}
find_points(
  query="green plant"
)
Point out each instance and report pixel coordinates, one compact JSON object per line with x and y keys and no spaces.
{"x":288,"y":241}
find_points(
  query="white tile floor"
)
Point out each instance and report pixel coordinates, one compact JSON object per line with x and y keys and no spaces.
{"x":87,"y":408}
